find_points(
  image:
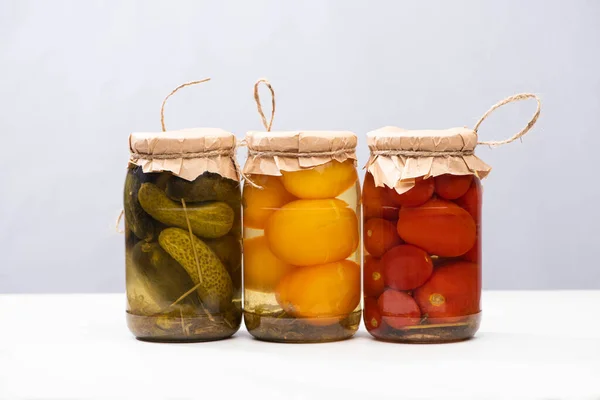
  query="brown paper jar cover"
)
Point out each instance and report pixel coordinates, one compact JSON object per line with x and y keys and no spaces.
{"x":399,"y":156}
{"x":186,"y":153}
{"x":269,"y":153}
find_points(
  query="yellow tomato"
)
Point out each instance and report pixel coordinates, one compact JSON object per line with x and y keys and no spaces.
{"x":327,"y":292}
{"x":321,"y":182}
{"x":262,"y":270}
{"x":311,"y":232}
{"x":259,"y":204}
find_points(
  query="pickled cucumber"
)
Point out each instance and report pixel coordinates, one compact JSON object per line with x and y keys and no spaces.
{"x":207,"y":187}
{"x":207,"y":220}
{"x":229,"y":250}
{"x":136,"y":219}
{"x":155,"y":280}
{"x":203,"y":266}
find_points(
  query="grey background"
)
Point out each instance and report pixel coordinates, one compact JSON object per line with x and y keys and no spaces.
{"x":78,"y":76}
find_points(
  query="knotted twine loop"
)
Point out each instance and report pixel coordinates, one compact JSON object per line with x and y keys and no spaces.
{"x":519,"y":135}
{"x":266,"y":124}
{"x":162,"y":107}
{"x":259,"y":106}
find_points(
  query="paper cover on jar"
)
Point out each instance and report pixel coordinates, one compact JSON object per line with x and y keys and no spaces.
{"x":399,"y":156}
{"x":269,"y":153}
{"x":186,"y":153}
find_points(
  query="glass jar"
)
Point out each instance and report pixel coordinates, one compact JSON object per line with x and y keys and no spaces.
{"x":301,"y":237}
{"x":183,"y":236}
{"x":422,"y":239}
{"x":422,"y":230}
{"x":422,"y":263}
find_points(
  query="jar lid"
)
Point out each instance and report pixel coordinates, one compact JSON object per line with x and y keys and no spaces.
{"x":269,"y":153}
{"x":399,"y":156}
{"x":444,"y":140}
{"x":186,"y":153}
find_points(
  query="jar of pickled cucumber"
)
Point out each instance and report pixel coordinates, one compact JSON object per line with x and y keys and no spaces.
{"x":301,"y":236}
{"x":182,"y":209}
{"x":422,"y":233}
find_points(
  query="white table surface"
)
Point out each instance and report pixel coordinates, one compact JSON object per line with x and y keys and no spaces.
{"x":532,"y":345}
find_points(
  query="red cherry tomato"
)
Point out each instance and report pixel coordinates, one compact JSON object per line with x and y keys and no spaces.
{"x":418,"y":195}
{"x":372,"y":316}
{"x":398,"y":309}
{"x":380,"y":235}
{"x":454,"y":290}
{"x":376,"y":201}
{"x":373,"y":277}
{"x":452,"y":187}
{"x":439,"y":227}
{"x":471,"y":201}
{"x":406,"y":267}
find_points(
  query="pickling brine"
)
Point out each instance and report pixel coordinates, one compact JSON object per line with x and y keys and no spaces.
{"x":301,"y":254}
{"x":422,"y":265}
{"x":183,"y":256}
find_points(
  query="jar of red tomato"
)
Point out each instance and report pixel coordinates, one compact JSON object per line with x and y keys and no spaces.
{"x":422,"y":232}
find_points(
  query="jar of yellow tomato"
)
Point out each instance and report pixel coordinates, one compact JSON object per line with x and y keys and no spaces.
{"x":301,"y":208}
